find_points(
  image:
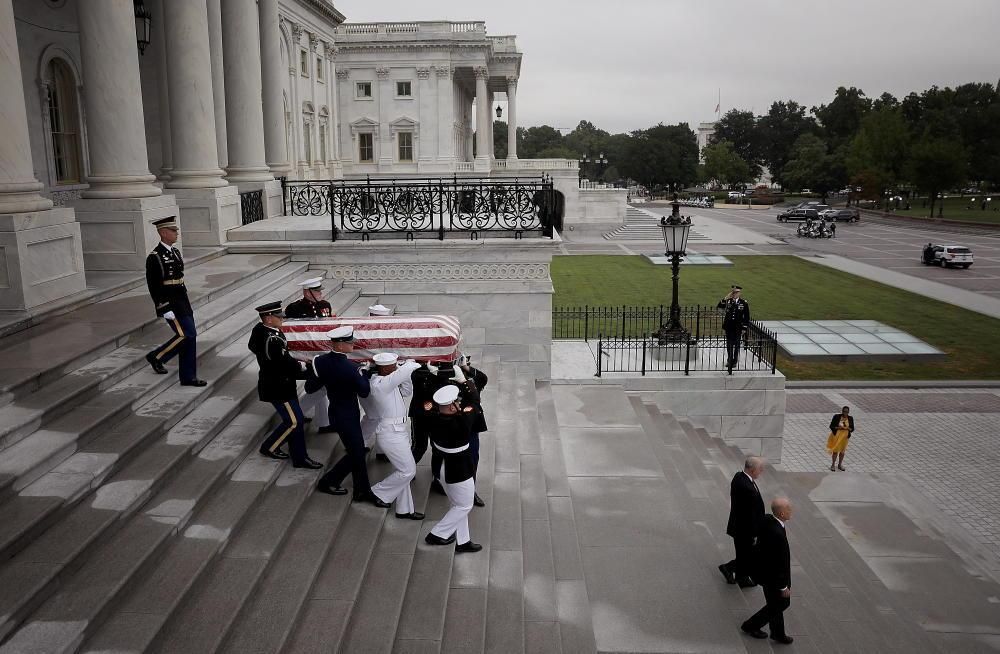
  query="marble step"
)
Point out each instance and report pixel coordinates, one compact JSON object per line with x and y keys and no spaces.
{"x":84,"y":595}
{"x":25,"y":515}
{"x":46,"y":448}
{"x":60,"y":345}
{"x":75,"y":386}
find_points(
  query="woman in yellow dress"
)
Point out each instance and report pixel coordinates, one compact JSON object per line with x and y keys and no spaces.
{"x":841,"y":428}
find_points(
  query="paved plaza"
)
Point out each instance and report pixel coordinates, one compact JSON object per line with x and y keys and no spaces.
{"x":943,"y":441}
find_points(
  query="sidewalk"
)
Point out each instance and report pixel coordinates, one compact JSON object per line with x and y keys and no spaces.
{"x":988,"y":306}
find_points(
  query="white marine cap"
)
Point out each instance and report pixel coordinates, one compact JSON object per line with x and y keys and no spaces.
{"x":379,"y":310}
{"x":446,"y":394}
{"x":385,"y":358}
{"x":344,"y":333}
{"x":315,"y":282}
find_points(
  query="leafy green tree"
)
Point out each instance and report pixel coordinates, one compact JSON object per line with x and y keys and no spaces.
{"x":778,"y":130}
{"x":880,"y":149}
{"x":663,"y":155}
{"x":841,"y":119}
{"x":538,"y":140}
{"x":740,"y":129}
{"x":812,"y":166}
{"x":587,"y":139}
{"x":937,"y":164}
{"x":500,"y":139}
{"x":722,"y":163}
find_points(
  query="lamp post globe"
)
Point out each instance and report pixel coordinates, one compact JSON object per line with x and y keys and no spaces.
{"x":676,"y":230}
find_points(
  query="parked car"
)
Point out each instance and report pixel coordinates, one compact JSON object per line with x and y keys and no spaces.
{"x":736,"y":195}
{"x":948,"y":255}
{"x":842,"y":215}
{"x":798,"y":214}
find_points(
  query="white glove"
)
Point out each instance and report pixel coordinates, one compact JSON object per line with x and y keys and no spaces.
{"x":169,"y":315}
{"x":432,"y":368}
{"x":459,"y":375}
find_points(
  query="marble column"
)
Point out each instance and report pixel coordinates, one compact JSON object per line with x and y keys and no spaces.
{"x":482,"y":114}
{"x":274,"y":110}
{"x":332,"y":81}
{"x":445,"y":118}
{"x":209,"y":205}
{"x":384,"y":141}
{"x":512,"y":118}
{"x":244,"y":113}
{"x":295,"y":105}
{"x":218,"y":78}
{"x":40,"y":253}
{"x":490,"y":143}
{"x":159,"y":41}
{"x":113,"y":99}
{"x":117,"y":211}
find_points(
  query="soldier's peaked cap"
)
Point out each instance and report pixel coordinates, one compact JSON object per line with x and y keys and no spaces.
{"x":269,"y":309}
{"x":315,"y":282}
{"x":342,"y":334}
{"x":166,"y":223}
{"x":446,"y":394}
{"x":737,"y":288}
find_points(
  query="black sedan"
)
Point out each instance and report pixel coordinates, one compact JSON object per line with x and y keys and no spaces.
{"x":798,"y":214}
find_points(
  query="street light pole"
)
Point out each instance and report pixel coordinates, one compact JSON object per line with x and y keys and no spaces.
{"x":675,"y":235}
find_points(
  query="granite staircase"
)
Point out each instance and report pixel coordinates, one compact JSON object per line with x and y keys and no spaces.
{"x":640,"y":225}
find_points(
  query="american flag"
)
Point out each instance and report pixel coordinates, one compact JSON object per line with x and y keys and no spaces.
{"x":423,"y":338}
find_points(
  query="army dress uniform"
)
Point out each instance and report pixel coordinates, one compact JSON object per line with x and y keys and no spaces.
{"x":309,"y":308}
{"x":735,"y":321}
{"x":165,"y":279}
{"x":276,"y":385}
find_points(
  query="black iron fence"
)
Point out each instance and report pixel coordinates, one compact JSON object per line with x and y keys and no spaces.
{"x":626,"y":340}
{"x":251,"y":206}
{"x":427,"y":208}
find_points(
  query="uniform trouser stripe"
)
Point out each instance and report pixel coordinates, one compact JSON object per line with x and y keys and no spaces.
{"x":176,"y":324}
{"x":294,"y":423}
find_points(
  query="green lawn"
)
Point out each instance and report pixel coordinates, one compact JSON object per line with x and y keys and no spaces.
{"x":957,"y":208}
{"x":780,"y":288}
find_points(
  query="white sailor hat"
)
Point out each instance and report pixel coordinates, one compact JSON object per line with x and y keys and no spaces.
{"x":446,"y":394}
{"x":385,"y":358}
{"x":379,"y":310}
{"x":167,"y":223}
{"x":315,"y":282}
{"x":342,"y":334}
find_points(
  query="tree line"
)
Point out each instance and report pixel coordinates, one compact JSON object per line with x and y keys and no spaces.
{"x":931,"y":141}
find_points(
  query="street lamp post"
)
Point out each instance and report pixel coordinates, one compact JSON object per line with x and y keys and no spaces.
{"x":583,"y":163}
{"x":602,"y":163}
{"x":675,"y":236}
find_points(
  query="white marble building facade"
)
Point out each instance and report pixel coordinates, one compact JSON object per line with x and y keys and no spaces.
{"x":228,"y":96}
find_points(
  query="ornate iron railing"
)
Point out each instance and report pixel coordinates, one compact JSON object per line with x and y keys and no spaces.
{"x":626,"y":341}
{"x":251,"y":206}
{"x":427,"y":208}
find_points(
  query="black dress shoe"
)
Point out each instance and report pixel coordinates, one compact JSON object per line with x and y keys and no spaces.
{"x":478,"y":501}
{"x":431,"y":539}
{"x":330,"y":490}
{"x":468,"y":547}
{"x":381,"y":457}
{"x":727,"y":573}
{"x":436,"y":487}
{"x":329,"y":429}
{"x":756,"y":633}
{"x":308,"y":464}
{"x":379,"y":503}
{"x":747,"y":582}
{"x":158,"y":367}
{"x":195,"y":382}
{"x":410,"y":516}
{"x":784,"y":640}
{"x":277,"y":454}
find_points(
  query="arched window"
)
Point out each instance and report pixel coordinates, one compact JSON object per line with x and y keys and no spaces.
{"x":64,"y":123}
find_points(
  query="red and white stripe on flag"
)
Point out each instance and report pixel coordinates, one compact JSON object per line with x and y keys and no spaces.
{"x":423,"y":338}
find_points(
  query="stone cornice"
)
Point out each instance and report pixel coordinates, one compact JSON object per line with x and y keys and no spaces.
{"x":326,"y":10}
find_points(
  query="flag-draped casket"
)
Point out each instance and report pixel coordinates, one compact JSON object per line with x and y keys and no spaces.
{"x":423,"y":338}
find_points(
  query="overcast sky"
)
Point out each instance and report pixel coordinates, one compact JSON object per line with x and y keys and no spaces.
{"x":629,"y":64}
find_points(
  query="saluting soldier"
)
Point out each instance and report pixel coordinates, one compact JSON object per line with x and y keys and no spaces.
{"x":450,"y":436}
{"x":165,"y":279}
{"x":276,"y":384}
{"x":344,"y":384}
{"x":735,"y":322}
{"x":312,"y":306}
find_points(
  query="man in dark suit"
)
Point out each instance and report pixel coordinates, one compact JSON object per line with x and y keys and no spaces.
{"x":746,"y":513}
{"x":345,"y":383}
{"x":165,"y":279}
{"x":774,"y":572}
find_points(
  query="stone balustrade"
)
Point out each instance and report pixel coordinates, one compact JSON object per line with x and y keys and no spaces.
{"x":366,"y":30}
{"x":536,"y":164}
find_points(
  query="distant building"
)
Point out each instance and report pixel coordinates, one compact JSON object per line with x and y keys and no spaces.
{"x":705,"y":133}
